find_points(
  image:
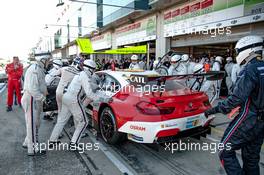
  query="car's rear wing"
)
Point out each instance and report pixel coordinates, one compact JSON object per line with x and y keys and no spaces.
{"x":144,"y":79}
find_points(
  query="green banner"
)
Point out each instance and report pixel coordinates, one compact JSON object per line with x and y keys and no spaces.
{"x":129,"y":50}
{"x":86,"y":47}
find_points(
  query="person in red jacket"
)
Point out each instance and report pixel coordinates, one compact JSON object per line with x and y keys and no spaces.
{"x":14,"y":72}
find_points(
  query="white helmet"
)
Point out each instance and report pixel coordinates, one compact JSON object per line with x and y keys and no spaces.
{"x":43,"y":60}
{"x":185,"y":58}
{"x":198,"y":68}
{"x":57,"y":63}
{"x":228,"y":59}
{"x":175,"y":58}
{"x":89,"y":65}
{"x":219,"y":59}
{"x":247,"y":48}
{"x":134,"y":58}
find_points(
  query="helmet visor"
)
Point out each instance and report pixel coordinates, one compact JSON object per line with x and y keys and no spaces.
{"x":238,"y":50}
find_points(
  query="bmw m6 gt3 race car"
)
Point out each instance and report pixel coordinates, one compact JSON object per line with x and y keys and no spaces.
{"x":147,"y":107}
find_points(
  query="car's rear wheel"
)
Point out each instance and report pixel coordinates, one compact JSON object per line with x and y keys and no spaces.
{"x":108,"y":127}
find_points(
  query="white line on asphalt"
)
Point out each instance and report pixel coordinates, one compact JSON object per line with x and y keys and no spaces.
{"x":113,"y":158}
{"x":2,"y":87}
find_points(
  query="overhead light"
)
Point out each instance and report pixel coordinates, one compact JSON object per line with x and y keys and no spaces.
{"x":60,"y":3}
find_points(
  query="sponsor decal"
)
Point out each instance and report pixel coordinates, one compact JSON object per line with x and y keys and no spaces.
{"x":138,"y":128}
{"x":192,"y":122}
{"x":168,"y":125}
{"x":138,"y":79}
{"x":133,"y":137}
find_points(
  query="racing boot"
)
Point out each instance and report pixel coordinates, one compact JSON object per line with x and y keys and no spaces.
{"x":37,"y":153}
{"x":9,"y":108}
{"x":47,"y":117}
{"x":24,"y":145}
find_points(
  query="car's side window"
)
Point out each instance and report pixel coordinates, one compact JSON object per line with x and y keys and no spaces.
{"x":109,"y":84}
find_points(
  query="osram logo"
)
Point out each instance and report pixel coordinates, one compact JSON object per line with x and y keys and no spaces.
{"x":139,"y":128}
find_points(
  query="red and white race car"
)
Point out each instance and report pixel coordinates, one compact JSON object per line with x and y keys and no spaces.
{"x":147,"y":108}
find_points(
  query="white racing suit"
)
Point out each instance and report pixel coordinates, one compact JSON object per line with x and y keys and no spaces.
{"x":205,"y":86}
{"x":209,"y":88}
{"x":228,"y":69}
{"x":72,"y":105}
{"x":190,"y":65}
{"x":181,"y":69}
{"x":235,"y":72}
{"x":217,"y":67}
{"x":52,"y":78}
{"x":134,"y":66}
{"x":67,"y":74}
{"x":142,"y":65}
{"x":35,"y":90}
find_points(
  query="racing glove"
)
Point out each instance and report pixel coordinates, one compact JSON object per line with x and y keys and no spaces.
{"x":211,"y":111}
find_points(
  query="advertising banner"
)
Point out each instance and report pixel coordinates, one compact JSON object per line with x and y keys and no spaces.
{"x":102,"y":41}
{"x":86,"y":47}
{"x":129,"y":50}
{"x":143,"y":30}
{"x":203,"y":15}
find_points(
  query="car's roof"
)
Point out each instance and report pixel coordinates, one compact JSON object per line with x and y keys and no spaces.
{"x":123,"y":75}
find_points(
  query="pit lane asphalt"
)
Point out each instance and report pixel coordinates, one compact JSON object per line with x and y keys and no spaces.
{"x":14,"y":159}
{"x":140,"y":159}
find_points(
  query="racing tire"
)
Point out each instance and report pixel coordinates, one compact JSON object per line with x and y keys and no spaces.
{"x":108,"y":127}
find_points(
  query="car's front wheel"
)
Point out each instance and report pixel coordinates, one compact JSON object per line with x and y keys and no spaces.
{"x":108,"y":127}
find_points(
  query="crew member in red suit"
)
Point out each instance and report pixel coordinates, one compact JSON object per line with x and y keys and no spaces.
{"x":14,"y":72}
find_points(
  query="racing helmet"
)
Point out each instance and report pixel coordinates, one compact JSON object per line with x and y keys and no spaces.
{"x":134,"y":58}
{"x":247,"y":48}
{"x":229,"y":59}
{"x":57,"y":63}
{"x":198,"y":68}
{"x":76,"y":61}
{"x":43,"y":60}
{"x":219,"y":59}
{"x":89,"y":66}
{"x":175,"y":59}
{"x":185,"y":58}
